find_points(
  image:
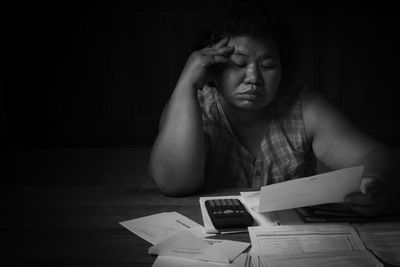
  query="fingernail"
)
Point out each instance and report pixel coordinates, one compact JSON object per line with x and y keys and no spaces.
{"x":363,"y":189}
{"x":365,"y":186}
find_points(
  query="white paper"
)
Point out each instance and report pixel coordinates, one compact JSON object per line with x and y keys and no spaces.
{"x":186,"y":245}
{"x":309,"y":245}
{"x":360,"y":258}
{"x":330,"y":187}
{"x":252,"y":199}
{"x":168,"y":261}
{"x":259,"y":218}
{"x":297,"y":239}
{"x":232,"y":249}
{"x":157,"y":227}
{"x":280,"y":217}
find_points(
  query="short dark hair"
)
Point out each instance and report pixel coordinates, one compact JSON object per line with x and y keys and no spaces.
{"x":252,"y":18}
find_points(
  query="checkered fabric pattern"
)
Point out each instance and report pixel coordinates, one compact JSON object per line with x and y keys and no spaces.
{"x":286,"y":151}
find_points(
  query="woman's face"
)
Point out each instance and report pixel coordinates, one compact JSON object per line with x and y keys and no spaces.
{"x":251,"y":77}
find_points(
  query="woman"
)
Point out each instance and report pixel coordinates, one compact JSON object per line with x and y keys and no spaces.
{"x":237,"y":118}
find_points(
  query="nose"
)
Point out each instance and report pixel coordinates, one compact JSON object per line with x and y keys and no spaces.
{"x":253,"y":75}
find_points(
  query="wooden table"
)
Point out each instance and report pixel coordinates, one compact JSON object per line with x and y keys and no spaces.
{"x":63,"y":226}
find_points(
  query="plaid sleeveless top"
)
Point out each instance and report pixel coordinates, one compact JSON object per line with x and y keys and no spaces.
{"x":286,"y":152}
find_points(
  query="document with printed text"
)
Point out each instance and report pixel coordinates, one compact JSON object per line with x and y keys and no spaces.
{"x":330,"y":187}
{"x":155,"y":228}
{"x":293,"y":239}
{"x":309,"y":245}
{"x":361,"y":258}
{"x":186,"y":245}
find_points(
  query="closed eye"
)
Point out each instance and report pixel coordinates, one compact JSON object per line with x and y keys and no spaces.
{"x":267,"y":66}
{"x":240,"y":65}
{"x":239,"y":60}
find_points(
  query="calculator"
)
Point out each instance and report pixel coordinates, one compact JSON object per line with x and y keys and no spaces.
{"x":228,"y":213}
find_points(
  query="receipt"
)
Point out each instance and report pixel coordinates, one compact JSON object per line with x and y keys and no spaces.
{"x":157,"y":227}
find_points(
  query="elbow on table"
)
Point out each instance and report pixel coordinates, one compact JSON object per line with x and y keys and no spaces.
{"x":175,"y":184}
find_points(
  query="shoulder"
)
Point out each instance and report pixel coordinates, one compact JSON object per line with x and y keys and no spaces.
{"x":319,"y":113}
{"x":314,"y":101}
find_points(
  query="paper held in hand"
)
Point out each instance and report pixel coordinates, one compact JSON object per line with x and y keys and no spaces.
{"x":330,"y":187}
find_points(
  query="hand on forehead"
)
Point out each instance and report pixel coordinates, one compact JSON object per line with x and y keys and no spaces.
{"x":251,"y":47}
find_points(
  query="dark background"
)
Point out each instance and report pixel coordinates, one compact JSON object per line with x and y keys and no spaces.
{"x":96,"y":75}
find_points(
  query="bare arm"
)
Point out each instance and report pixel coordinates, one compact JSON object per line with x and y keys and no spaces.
{"x":178,"y":156}
{"x":335,"y":140}
{"x":339,"y":144}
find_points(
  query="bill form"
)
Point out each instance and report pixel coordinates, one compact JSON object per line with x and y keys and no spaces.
{"x":309,"y":245}
{"x":330,"y":187}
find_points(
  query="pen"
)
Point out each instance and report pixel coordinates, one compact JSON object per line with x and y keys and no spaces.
{"x":184,"y":224}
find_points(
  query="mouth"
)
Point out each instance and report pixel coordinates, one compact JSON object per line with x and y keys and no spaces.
{"x":251,"y":94}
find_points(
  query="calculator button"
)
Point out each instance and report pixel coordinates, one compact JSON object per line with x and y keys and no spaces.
{"x":236,"y":202}
{"x":228,"y":211}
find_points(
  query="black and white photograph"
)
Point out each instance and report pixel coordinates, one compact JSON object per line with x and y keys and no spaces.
{"x":199,"y":133}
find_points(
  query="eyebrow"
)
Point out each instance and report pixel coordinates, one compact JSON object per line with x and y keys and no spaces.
{"x":241,"y":53}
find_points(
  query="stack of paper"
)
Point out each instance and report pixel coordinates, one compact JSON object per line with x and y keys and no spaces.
{"x":186,"y":246}
{"x":309,"y":245}
{"x":180,"y":241}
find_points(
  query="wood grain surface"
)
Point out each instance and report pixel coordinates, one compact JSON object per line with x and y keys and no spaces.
{"x":64,"y":226}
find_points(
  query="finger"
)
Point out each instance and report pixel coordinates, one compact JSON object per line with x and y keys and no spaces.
{"x":223,"y":51}
{"x":370,"y":185}
{"x":220,"y":59}
{"x":211,"y":60}
{"x":221,"y":43}
{"x":364,"y":199}
{"x":368,"y":211}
